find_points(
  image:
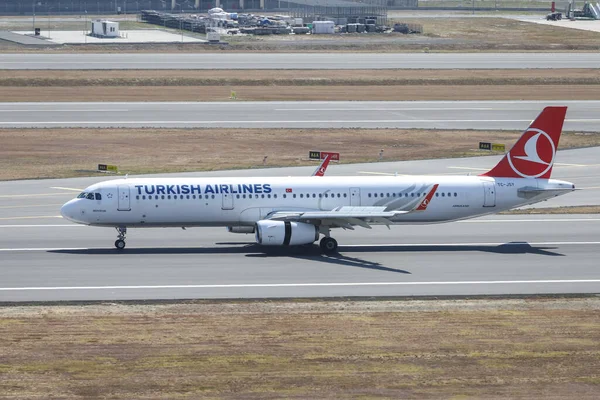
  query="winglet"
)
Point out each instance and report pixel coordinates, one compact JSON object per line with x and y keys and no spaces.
{"x":533,"y":154}
{"x":320,"y":171}
{"x":425,"y":202}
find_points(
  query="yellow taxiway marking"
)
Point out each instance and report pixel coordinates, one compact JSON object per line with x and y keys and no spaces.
{"x":66,"y":188}
{"x":33,"y":217}
{"x":591,"y":187}
{"x":34,"y":205}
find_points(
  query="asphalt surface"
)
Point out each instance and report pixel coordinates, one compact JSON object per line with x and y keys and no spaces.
{"x":300,"y":61}
{"x":43,"y":257}
{"x":512,"y":115}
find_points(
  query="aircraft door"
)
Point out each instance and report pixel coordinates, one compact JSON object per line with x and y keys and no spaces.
{"x":227,"y":202}
{"x":355,"y":196}
{"x":124,"y":201}
{"x":489,"y":194}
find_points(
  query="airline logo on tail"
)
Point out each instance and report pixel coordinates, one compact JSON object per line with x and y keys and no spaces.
{"x":533,"y":154}
{"x":533,"y":158}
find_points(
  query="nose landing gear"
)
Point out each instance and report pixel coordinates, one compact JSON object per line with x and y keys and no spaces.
{"x":120,"y":242}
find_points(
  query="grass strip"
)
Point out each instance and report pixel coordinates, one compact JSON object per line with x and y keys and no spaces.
{"x":54,"y":153}
{"x":304,"y":349}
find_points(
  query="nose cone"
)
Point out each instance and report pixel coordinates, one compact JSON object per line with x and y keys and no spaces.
{"x":70,"y":210}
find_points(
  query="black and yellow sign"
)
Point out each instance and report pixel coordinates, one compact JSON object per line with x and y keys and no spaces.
{"x":491,"y":146}
{"x":498,"y":147}
{"x":108,"y":168}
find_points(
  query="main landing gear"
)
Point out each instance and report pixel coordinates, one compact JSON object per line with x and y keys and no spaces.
{"x":328,"y":245}
{"x":120,"y":242}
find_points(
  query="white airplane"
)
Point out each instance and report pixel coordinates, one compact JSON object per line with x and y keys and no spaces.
{"x":287,"y":211}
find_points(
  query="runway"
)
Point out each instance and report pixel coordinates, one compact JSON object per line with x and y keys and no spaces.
{"x":485,"y":115}
{"x":43,"y":257}
{"x":276,"y":61}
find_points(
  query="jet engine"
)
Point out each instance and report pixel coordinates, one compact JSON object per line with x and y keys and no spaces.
{"x":280,"y":233}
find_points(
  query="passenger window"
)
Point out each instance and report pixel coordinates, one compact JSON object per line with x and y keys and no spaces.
{"x":262,"y":196}
{"x":294,"y":195}
{"x":369,"y":195}
{"x":455,"y":194}
{"x":339,"y":195}
{"x":301,"y":196}
{"x":345,"y":194}
{"x":213,"y":196}
{"x":137,"y":197}
{"x":169,"y":197}
{"x":275,"y":196}
{"x":99,"y":196}
{"x":237,"y":196}
{"x":374,"y":194}
{"x":443,"y":194}
{"x":143,"y":197}
{"x":314,"y":195}
{"x":285,"y":196}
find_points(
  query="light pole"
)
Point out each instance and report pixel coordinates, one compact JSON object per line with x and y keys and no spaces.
{"x":33,"y":17}
{"x":85,"y":29}
{"x":49,"y":22}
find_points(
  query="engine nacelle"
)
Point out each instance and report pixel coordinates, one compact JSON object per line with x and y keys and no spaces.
{"x":240,"y":229}
{"x":280,"y":233}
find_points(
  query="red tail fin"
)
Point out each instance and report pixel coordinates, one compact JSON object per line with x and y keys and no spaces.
{"x":320,"y":171}
{"x":533,"y":154}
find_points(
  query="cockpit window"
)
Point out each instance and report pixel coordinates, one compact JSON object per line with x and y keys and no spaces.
{"x":82,"y":195}
{"x":90,"y":196}
{"x":98,"y":196}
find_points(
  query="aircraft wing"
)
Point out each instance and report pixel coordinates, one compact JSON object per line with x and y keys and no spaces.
{"x":347,"y":216}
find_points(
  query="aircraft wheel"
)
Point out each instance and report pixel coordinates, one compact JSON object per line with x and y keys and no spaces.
{"x":120,"y":244}
{"x":328,"y":245}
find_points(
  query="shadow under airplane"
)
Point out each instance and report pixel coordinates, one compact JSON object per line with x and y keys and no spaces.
{"x":313,"y":252}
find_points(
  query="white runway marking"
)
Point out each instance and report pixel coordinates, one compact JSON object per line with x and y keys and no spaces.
{"x":63,"y":110}
{"x":384,"y":109}
{"x":32,"y":217}
{"x":374,"y":245}
{"x":283,"y":285}
{"x":66,"y":188}
{"x":44,"y":226}
{"x":32,"y":195}
{"x":32,"y":205}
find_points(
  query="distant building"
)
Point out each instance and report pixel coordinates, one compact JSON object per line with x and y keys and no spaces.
{"x":104,"y":28}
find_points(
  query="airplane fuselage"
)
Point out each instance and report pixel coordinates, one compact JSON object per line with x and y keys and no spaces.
{"x":188,"y":202}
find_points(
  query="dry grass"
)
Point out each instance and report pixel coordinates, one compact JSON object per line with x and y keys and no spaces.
{"x":65,"y":78}
{"x":523,"y":349}
{"x":301,"y":93}
{"x":508,"y":34}
{"x":46,"y":153}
